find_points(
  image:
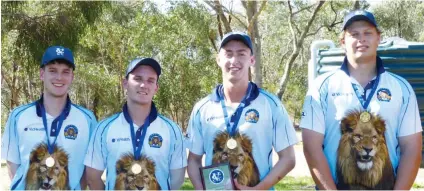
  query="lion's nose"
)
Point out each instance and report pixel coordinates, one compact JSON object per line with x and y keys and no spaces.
{"x":368,"y":150}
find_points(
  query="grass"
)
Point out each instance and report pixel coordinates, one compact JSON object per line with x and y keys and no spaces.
{"x":288,"y":183}
{"x":417,"y":186}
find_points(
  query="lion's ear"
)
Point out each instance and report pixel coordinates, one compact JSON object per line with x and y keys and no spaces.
{"x":38,"y":154}
{"x":217,"y":147}
{"x":246,"y":144}
{"x":220,"y":141}
{"x":120,"y":167}
{"x":345,"y":126}
{"x":379,"y":124}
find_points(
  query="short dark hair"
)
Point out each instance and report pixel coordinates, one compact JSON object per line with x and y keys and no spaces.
{"x":60,"y":61}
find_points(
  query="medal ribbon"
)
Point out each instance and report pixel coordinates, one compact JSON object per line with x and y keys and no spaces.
{"x":137,"y":146}
{"x":50,"y":147}
{"x":365,"y":103}
{"x":237,"y":114}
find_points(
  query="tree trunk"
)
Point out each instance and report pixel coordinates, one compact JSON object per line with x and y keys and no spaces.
{"x":220,"y":12}
{"x":253,"y":13}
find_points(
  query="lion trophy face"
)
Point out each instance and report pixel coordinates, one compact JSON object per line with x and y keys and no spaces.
{"x":240,"y":158}
{"x":126,"y":179}
{"x":42,"y":177}
{"x":362,"y":154}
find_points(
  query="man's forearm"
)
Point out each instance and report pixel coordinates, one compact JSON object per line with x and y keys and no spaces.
{"x":194,"y":173}
{"x":177,"y":178}
{"x":409,"y":164}
{"x":11,"y":168}
{"x":96,"y":184}
{"x":279,"y":171}
{"x":320,"y":170}
{"x":83,"y":181}
{"x":94,"y":178}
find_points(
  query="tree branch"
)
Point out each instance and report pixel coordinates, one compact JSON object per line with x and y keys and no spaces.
{"x":308,"y":25}
{"x":218,"y":9}
{"x":296,"y":44}
{"x":235,"y":16}
{"x":314,"y":33}
{"x":291,"y":24}
{"x":256,"y":15}
{"x":287,"y":51}
{"x":302,"y":9}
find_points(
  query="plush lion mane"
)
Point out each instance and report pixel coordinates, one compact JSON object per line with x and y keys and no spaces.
{"x":363,"y":160}
{"x":240,"y":159}
{"x":41,"y":177}
{"x":127,"y":180}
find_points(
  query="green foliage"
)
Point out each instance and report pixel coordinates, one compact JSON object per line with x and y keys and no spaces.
{"x":42,"y":24}
{"x":181,"y":35}
{"x":401,"y":18}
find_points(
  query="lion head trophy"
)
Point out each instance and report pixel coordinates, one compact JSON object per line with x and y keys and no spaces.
{"x":363,"y":160}
{"x":45,"y":174}
{"x":239,"y":157}
{"x":134,"y":174}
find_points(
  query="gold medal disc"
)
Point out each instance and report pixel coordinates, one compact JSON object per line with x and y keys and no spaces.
{"x":50,"y":162}
{"x":365,"y":117}
{"x":136,"y":168}
{"x":231,"y":143}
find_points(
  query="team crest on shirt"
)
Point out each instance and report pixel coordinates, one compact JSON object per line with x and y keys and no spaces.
{"x":384,"y":94}
{"x":71,"y":132}
{"x":251,"y":116}
{"x":155,"y":140}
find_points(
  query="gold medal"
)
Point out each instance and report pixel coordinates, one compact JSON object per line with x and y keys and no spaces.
{"x":231,"y":143}
{"x":136,"y":168}
{"x":365,"y":117}
{"x":50,"y":162}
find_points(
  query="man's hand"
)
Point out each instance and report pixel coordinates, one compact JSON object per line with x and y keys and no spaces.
{"x":94,"y":178}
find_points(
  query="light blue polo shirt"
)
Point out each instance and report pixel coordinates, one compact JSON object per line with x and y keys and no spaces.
{"x":25,"y":130}
{"x":332,"y":95}
{"x":270,"y":128}
{"x":112,"y":139}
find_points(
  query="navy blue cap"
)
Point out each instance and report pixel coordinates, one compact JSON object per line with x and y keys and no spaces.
{"x":58,"y":52}
{"x":238,"y":36}
{"x":358,"y":15}
{"x":143,"y":61}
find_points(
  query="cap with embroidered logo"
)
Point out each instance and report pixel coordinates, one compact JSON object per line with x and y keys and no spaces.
{"x":58,"y":53}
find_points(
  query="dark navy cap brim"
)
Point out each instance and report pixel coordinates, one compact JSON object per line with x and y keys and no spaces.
{"x":145,"y":61}
{"x":237,"y":37}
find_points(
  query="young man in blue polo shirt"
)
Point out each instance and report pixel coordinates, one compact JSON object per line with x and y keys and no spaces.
{"x":138,"y":147}
{"x":361,"y":83}
{"x":44,"y":142}
{"x":240,"y":123}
